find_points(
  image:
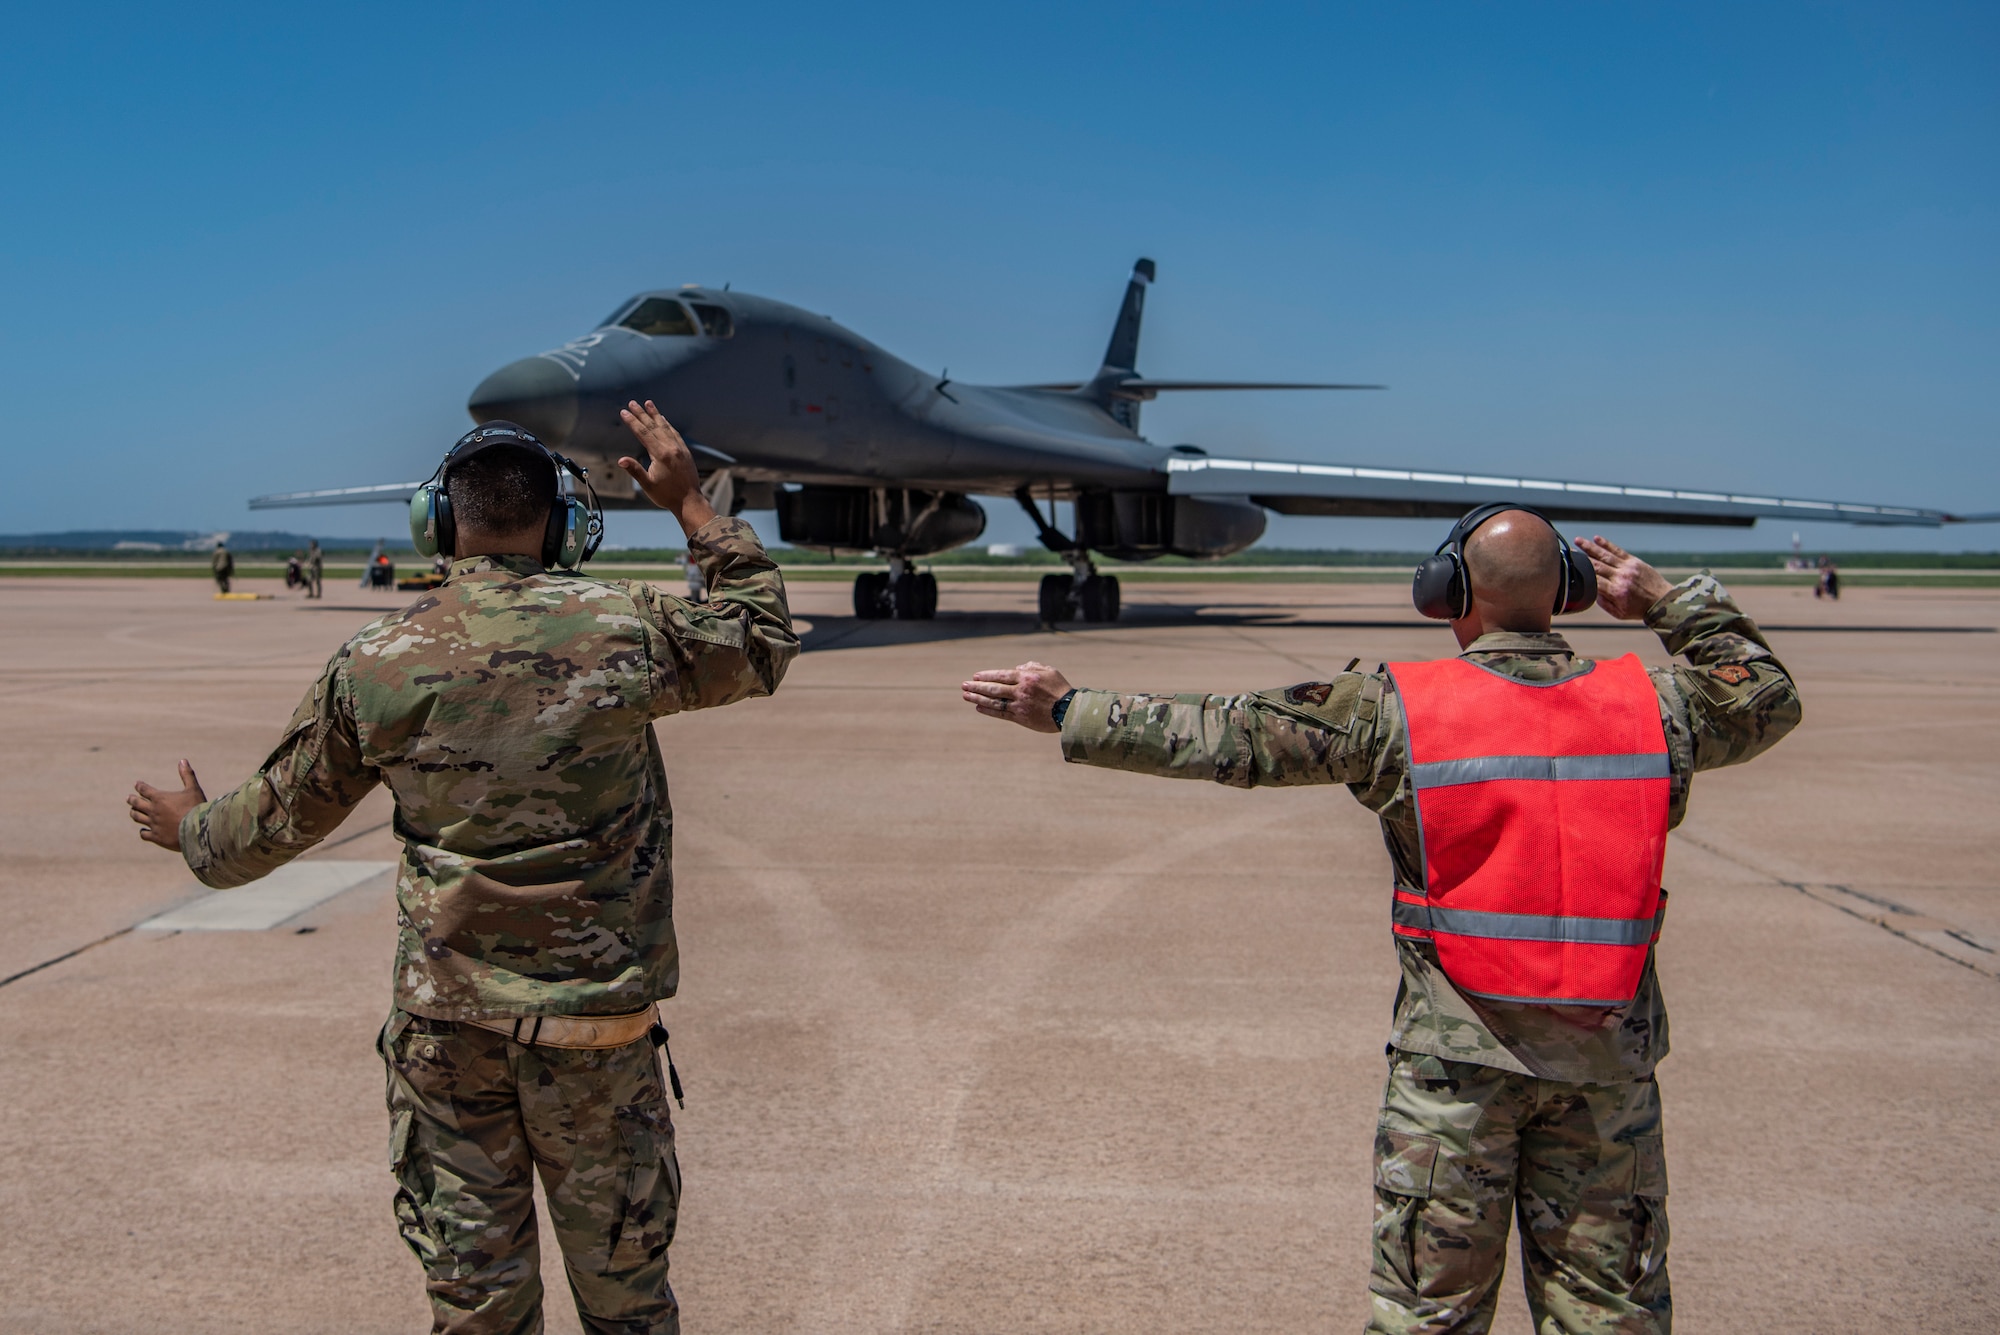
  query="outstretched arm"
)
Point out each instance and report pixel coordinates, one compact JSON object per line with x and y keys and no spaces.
{"x":1315,"y":732}
{"x":303,"y":790}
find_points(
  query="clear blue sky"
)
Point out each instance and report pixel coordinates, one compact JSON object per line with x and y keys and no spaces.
{"x":247,"y":251}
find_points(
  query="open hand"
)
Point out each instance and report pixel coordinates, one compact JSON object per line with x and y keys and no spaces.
{"x":668,"y":477}
{"x":1626,"y":586}
{"x":1025,"y":695}
{"x":158,"y":812}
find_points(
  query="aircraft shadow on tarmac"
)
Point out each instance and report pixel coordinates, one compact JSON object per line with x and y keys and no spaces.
{"x":847,"y":632}
{"x":839,"y":632}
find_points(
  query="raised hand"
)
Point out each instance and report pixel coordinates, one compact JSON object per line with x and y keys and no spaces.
{"x":1626,"y":586}
{"x":668,"y":477}
{"x":158,"y":812}
{"x":1025,"y":695}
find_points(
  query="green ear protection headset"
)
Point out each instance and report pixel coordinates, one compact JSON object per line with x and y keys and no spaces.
{"x":575,"y":527}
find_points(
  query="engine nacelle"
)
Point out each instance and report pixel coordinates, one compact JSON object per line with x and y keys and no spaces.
{"x":901,"y":521}
{"x":1137,"y":525}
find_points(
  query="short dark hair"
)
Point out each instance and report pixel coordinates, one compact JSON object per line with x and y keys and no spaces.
{"x":501,"y":491}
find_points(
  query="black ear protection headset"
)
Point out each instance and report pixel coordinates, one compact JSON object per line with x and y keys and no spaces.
{"x":575,"y":528}
{"x":1443,"y":592}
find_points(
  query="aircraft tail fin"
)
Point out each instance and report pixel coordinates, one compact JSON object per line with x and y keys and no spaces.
{"x":1120,"y":388}
{"x":1121,"y":355}
{"x":1123,"y":352}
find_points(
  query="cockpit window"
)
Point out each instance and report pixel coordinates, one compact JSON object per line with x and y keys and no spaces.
{"x":715,"y":321}
{"x":658,"y":316}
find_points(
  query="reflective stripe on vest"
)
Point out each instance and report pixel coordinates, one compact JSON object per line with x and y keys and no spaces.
{"x":1542,"y":812}
{"x":1484,"y":769}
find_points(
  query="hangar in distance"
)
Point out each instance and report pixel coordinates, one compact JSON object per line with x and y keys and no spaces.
{"x":859,"y":451}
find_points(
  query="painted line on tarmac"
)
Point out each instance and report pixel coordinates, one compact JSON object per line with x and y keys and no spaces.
{"x":1919,"y":929}
{"x":269,"y":901}
{"x":113,"y":936}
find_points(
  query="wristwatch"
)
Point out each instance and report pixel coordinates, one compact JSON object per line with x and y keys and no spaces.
{"x":1062,"y":706}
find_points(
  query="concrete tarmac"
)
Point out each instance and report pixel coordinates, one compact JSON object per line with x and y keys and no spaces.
{"x":975,"y":1041}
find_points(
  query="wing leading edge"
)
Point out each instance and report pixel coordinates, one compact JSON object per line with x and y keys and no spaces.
{"x":384,"y":491}
{"x":1340,"y":489}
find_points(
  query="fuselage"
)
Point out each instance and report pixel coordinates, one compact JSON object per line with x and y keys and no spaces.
{"x":779,"y":394}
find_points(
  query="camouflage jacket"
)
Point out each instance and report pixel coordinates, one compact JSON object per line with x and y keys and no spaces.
{"x":509,"y":712}
{"x":1731,"y":702}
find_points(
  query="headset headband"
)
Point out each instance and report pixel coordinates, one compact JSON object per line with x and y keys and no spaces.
{"x":501,"y":435}
{"x":1469,"y":523}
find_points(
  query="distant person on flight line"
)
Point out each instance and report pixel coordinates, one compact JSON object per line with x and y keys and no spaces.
{"x":510,"y":713}
{"x":222,"y":565}
{"x":1525,"y":795}
{"x":315,"y":568}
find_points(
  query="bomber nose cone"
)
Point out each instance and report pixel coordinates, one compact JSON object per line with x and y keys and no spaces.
{"x":535,"y":392}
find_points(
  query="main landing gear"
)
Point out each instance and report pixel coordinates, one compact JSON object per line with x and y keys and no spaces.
{"x":1083,"y":593}
{"x":899,"y":592}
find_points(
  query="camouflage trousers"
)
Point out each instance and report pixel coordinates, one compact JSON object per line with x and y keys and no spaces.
{"x":1462,"y":1149}
{"x":473,"y":1115}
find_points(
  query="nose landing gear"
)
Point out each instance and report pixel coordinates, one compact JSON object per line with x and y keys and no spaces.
{"x":905,"y":594}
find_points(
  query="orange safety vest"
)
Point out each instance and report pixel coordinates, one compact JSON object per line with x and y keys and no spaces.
{"x":1542,"y":808}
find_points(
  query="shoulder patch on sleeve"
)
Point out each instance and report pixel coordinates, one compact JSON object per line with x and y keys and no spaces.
{"x":1732,"y":674}
{"x":1309,"y":693}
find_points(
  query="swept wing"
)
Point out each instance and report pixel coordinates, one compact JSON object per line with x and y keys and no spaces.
{"x":1356,"y":489}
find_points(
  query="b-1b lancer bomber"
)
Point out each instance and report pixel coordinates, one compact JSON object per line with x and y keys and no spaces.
{"x":859,"y":451}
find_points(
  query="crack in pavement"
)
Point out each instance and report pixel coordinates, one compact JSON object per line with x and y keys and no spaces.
{"x":1919,"y":929}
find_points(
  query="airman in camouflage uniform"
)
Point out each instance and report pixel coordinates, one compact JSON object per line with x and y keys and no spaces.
{"x":1491,"y":1107}
{"x":509,"y":713}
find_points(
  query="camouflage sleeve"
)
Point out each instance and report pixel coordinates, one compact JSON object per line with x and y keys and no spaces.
{"x":1735,"y":697}
{"x":734,"y":646}
{"x":303,"y":790}
{"x":1315,"y":732}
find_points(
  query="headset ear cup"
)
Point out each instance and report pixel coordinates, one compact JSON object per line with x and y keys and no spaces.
{"x":552,"y":532}
{"x":1582,"y":582}
{"x":431,"y":527}
{"x":447,"y":525}
{"x":423,"y":522}
{"x":570,"y":555}
{"x":1439,"y":587}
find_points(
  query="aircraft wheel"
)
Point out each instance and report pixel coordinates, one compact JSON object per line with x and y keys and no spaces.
{"x":1099,"y":597}
{"x":1054,"y":602}
{"x":927,"y":596}
{"x":907,"y":595}
{"x":870,"y":590}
